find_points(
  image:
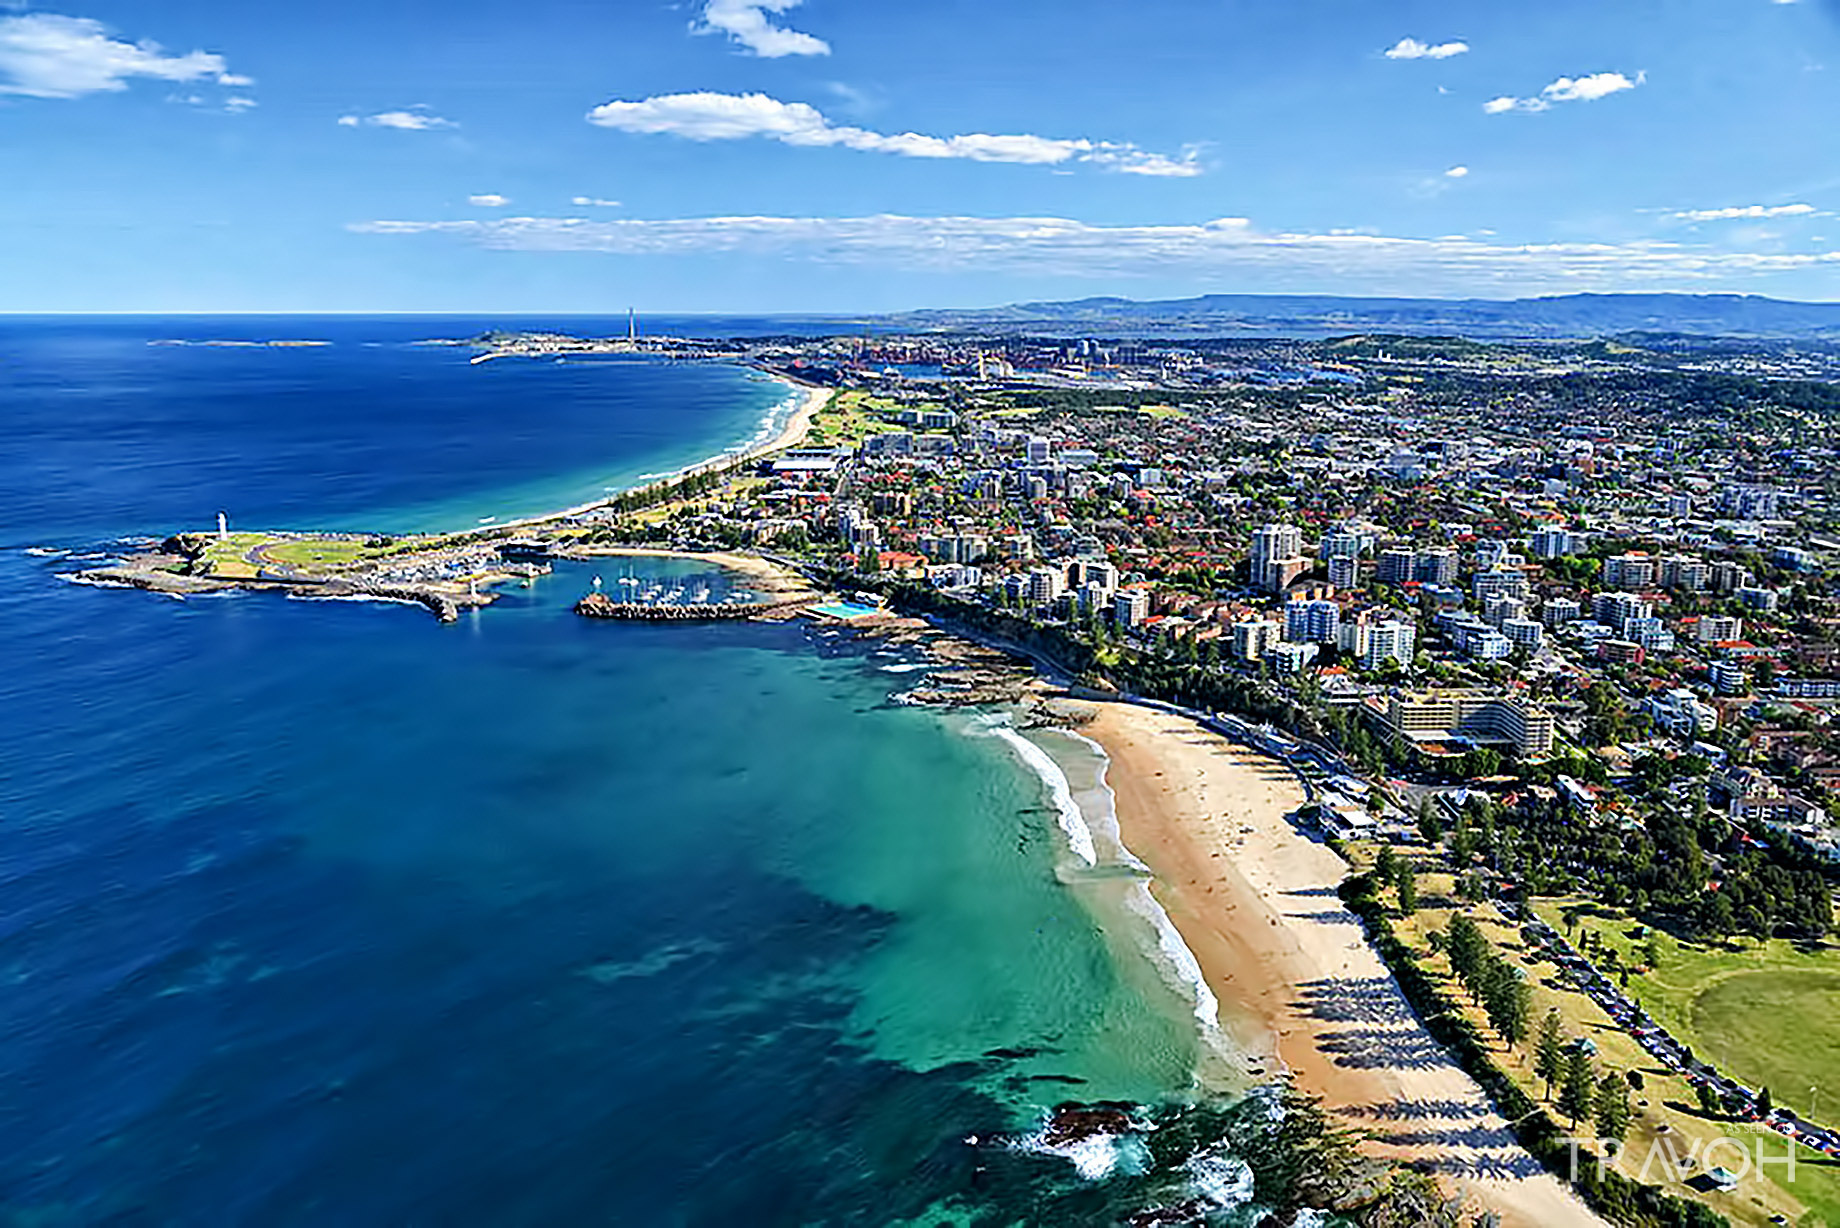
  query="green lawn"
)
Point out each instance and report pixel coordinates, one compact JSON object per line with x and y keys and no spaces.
{"x":1765,"y":1013}
{"x":230,"y":558}
{"x":1779,"y":1029}
{"x":226,"y":556}
{"x":319,"y":553}
{"x":849,"y":418}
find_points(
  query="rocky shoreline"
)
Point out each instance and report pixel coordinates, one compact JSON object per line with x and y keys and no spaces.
{"x":166,"y":571}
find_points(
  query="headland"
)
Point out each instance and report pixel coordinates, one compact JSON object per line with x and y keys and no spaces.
{"x":450,"y":573}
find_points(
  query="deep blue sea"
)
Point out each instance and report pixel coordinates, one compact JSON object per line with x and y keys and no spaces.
{"x":324,"y":913}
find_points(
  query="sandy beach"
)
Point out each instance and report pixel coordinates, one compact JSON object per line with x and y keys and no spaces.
{"x":1255,"y":898}
{"x":770,"y":577}
{"x":791,"y":435}
{"x":798,"y":426}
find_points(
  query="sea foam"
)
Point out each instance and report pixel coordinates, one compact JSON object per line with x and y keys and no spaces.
{"x":1177,"y":958}
{"x":1095,"y":1157}
{"x":1067,"y":810}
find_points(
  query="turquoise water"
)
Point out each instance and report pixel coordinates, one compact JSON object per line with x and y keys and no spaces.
{"x":321,"y":912}
{"x":846,"y":610}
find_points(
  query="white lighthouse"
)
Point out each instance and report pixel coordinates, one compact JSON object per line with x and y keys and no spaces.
{"x":223,"y":525}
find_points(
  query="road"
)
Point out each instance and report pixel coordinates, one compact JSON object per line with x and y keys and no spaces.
{"x":1739,"y":1100}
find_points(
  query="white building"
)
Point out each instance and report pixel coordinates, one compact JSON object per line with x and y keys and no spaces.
{"x":1293,"y":658}
{"x":1718,"y":628}
{"x":1561,"y":610}
{"x":1764,"y":600}
{"x":1396,"y":565}
{"x":1555,"y":543}
{"x":1490,"y":646}
{"x":1130,"y":607}
{"x":1253,"y":639}
{"x":1616,"y":609}
{"x":1524,"y":633}
{"x":1631,"y":571}
{"x":1277,"y":557}
{"x":1312,"y":622}
{"x":1686,"y":572}
{"x":1344,"y":571}
{"x":1501,"y":583}
{"x":1681,"y":713}
{"x":1046,"y":584}
{"x":1728,"y":677}
{"x":1390,"y":641}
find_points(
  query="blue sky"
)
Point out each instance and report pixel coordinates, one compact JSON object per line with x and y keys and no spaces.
{"x":856,"y":155}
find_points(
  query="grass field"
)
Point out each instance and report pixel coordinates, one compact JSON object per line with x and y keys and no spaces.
{"x":1666,"y":1106}
{"x":230,"y":558}
{"x":226,"y":557}
{"x":319,"y":553}
{"x":1783,"y":1026}
{"x":1764,"y":1013}
{"x":848,"y":419}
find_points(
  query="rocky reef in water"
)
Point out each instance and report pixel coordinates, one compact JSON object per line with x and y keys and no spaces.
{"x":1271,"y":1160}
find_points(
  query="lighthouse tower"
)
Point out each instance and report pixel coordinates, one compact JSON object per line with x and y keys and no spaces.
{"x":223,"y":525}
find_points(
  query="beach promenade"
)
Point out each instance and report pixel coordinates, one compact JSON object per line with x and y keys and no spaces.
{"x":1255,"y":897}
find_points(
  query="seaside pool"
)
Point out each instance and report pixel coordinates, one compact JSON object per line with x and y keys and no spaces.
{"x":845,"y":610}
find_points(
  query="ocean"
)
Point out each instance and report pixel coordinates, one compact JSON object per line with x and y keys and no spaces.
{"x":322,"y":912}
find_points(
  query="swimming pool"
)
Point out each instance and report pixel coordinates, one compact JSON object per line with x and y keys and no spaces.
{"x":845,"y":610}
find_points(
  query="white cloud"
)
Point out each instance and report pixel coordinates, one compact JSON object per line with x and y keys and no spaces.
{"x":1589,"y":89}
{"x":594,"y":202}
{"x":707,"y":116}
{"x":1737,"y":212}
{"x":748,"y":23}
{"x":1059,"y":246}
{"x":1412,"y":49}
{"x":416,"y":119}
{"x":1457,"y":172}
{"x":488,"y":200}
{"x":1567,"y":89}
{"x":239,"y":104}
{"x":43,"y":55}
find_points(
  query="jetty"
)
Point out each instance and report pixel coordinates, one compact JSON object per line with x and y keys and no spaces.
{"x":601,"y":606}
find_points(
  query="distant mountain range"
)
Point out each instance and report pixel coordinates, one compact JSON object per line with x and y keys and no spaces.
{"x":1298,"y":315}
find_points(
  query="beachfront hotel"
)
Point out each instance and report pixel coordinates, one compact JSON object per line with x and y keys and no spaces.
{"x":1428,"y":720}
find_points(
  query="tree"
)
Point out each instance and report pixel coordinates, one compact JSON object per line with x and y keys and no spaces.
{"x":1709,"y":1100}
{"x":1408,"y":890}
{"x":1386,"y":865}
{"x":1507,"y":999}
{"x":1549,"y":1051}
{"x":1430,"y":829}
{"x":1466,"y":946}
{"x":1462,"y":843}
{"x":1575,"y":1092}
{"x":1520,"y":1010}
{"x":1613,"y":1107}
{"x":1765,"y":1105}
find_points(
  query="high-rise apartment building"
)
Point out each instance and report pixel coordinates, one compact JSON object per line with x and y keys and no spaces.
{"x":1277,"y":557}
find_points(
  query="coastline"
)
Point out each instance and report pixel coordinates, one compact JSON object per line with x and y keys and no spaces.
{"x":792,"y":433}
{"x":1254,"y":898}
{"x":774,"y":578}
{"x":798,"y":423}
